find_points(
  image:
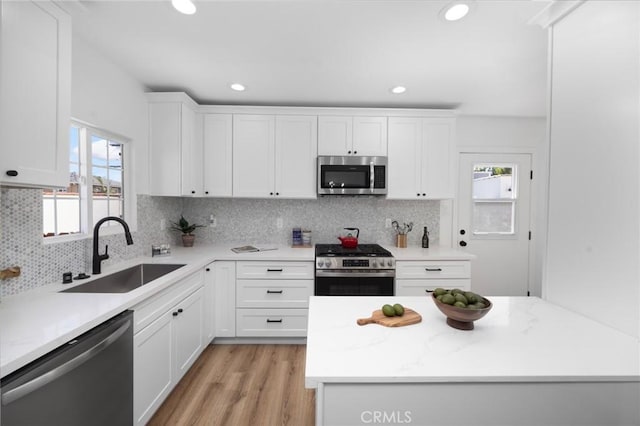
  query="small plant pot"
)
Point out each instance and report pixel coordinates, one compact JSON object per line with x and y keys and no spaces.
{"x":187,"y":240}
{"x":401,"y":240}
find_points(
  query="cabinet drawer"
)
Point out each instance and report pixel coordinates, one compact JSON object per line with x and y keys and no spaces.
{"x":420,"y":287}
{"x":271,"y":322}
{"x":273,"y":293}
{"x":274,"y":270}
{"x":146,"y":312}
{"x":433,"y":269}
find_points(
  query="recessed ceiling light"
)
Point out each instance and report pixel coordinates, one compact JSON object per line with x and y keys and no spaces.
{"x":456,"y":10}
{"x":237,"y":87}
{"x":184,"y":6}
{"x":398,"y":89}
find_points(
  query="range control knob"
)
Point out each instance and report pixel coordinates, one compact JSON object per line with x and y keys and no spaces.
{"x":320,"y":263}
{"x":389,"y":262}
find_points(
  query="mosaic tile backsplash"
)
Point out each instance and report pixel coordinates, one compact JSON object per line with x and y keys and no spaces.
{"x":241,"y":221}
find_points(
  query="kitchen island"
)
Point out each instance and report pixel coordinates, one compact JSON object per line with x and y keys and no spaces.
{"x":527,"y":362}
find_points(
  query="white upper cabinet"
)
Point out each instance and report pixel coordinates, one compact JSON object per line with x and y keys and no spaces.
{"x":274,"y":156}
{"x":296,"y":152}
{"x":35,"y":83}
{"x":175,"y":150}
{"x":218,"y":151}
{"x":345,"y":135}
{"x":253,"y":155}
{"x":421,"y":158}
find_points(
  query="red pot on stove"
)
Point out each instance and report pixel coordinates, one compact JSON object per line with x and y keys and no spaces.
{"x":349,"y":241}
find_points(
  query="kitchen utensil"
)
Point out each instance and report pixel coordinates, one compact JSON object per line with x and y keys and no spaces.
{"x":377,"y":317}
{"x":349,"y":241}
{"x":462,"y":318}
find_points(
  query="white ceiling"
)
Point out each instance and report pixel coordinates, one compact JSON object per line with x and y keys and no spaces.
{"x":329,"y":52}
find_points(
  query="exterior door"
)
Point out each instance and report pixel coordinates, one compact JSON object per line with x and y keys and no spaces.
{"x":494,"y":221}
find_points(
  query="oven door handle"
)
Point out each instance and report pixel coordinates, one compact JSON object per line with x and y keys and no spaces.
{"x":356,"y":274}
{"x":372,"y":176}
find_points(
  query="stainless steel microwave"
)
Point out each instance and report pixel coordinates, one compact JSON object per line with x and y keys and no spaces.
{"x":352,"y":175}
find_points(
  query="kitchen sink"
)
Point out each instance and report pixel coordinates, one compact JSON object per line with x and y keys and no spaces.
{"x":126,"y":280}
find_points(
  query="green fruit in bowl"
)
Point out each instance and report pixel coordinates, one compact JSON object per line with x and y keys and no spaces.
{"x":448,"y":299}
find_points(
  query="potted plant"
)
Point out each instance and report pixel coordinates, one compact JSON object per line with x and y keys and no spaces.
{"x":186,"y":228}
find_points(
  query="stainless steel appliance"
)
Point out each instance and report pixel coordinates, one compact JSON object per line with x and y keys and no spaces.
{"x":352,"y":175}
{"x":87,"y":381}
{"x":367,"y":270}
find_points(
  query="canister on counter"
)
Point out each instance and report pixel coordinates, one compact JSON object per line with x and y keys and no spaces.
{"x":296,"y":237}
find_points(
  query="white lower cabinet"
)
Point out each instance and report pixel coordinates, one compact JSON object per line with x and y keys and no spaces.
{"x":169,"y":342}
{"x":415,"y":278}
{"x":272,"y":298}
{"x":224,"y":278}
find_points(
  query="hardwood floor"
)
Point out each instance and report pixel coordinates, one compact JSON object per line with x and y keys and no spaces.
{"x":242,"y":385}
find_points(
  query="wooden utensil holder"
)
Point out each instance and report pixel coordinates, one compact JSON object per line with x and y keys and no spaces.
{"x":401,"y":241}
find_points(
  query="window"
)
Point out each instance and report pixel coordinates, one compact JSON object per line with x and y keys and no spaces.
{"x":96,"y":184}
{"x":494,"y":199}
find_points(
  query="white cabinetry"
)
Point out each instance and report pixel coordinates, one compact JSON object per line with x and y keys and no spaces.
{"x":272,"y":298}
{"x":35,"y":83}
{"x":218,"y":150}
{"x":224,"y":278}
{"x":421,"y":158}
{"x":175,"y":160}
{"x":274,"y":156}
{"x":344,"y":135}
{"x":414,"y":278}
{"x":208,"y":314}
{"x":167,"y":340}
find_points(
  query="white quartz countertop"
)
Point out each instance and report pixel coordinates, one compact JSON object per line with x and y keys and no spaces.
{"x":520,"y":339}
{"x":432,"y":253}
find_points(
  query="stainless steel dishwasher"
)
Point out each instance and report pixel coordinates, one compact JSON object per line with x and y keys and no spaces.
{"x":87,"y":381}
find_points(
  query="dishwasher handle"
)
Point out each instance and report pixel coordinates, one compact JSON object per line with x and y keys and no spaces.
{"x":51,"y":375}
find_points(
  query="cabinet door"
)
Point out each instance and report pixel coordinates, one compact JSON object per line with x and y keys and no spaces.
{"x":191,"y":158}
{"x":253,"y":155}
{"x":218,"y":147}
{"x":35,"y":83}
{"x":438,"y":167}
{"x":208,"y":305}
{"x":335,"y":135}
{"x":187,"y":333}
{"x":405,"y":152}
{"x":370,"y":136}
{"x":152,"y":369}
{"x":225,"y":298}
{"x":296,"y":151}
{"x":164,"y":148}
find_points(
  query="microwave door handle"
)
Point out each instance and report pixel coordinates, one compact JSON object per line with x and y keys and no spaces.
{"x":372,"y":176}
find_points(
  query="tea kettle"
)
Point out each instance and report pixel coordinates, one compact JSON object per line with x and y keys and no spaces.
{"x":349,"y":241}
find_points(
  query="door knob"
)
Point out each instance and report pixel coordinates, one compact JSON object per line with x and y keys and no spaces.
{"x":463,"y":243}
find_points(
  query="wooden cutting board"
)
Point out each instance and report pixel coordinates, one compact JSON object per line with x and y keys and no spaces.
{"x":377,"y":317}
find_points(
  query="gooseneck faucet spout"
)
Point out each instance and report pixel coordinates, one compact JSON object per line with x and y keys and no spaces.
{"x":97,"y":257}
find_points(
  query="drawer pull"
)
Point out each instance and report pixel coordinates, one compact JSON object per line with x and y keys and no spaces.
{"x":274,"y":291}
{"x":433,"y":269}
{"x":274,"y":270}
{"x":274,"y":320}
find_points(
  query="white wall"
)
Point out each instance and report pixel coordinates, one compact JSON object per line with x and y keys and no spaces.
{"x":105,"y":96}
{"x":515,"y":135}
{"x":592,"y":263}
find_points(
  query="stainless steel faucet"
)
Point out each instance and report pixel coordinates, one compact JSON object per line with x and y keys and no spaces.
{"x":97,"y":257}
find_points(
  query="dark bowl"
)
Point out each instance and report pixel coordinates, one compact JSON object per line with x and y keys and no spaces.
{"x":462,"y":318}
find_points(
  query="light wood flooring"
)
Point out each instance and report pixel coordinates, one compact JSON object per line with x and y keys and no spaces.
{"x":242,"y":385}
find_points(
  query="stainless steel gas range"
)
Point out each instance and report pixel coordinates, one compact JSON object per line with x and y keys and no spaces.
{"x":367,"y":270}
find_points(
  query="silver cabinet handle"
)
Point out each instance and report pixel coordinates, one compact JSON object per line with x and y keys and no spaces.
{"x":40,"y":381}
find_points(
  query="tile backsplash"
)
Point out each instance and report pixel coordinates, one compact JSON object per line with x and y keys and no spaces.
{"x":238,"y":221}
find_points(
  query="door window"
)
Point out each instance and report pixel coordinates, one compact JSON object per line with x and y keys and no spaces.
{"x":494,"y":198}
